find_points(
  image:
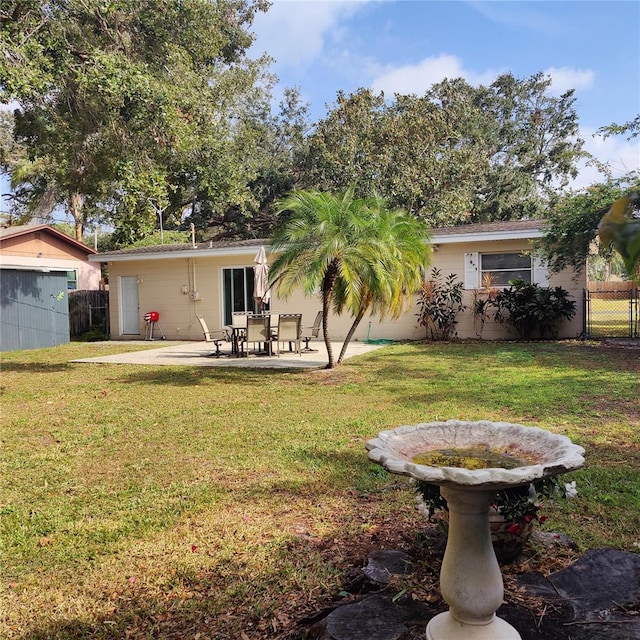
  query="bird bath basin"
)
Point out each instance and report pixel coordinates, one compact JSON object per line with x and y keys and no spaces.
{"x":470,"y":461}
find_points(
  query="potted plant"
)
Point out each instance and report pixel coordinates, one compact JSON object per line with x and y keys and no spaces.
{"x":512,"y":516}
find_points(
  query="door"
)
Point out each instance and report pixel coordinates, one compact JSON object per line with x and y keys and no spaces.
{"x":129,"y":310}
{"x":237,"y":285}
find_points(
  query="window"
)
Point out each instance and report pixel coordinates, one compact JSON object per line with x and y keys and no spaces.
{"x":237,"y":287}
{"x":505,"y":267}
{"x":72,"y":280}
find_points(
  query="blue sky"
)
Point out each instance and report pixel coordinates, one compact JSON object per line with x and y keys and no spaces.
{"x":406,"y":46}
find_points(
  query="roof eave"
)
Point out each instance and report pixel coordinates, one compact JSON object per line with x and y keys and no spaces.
{"x":488,"y":236}
{"x":173,"y":255}
{"x":51,"y":230}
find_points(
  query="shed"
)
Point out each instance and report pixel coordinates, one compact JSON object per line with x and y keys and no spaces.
{"x":39,"y":265}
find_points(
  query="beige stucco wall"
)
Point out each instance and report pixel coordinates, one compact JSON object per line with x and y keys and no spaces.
{"x":168,"y":286}
{"x":449,"y":258}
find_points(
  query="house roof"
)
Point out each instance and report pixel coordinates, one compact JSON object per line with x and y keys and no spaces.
{"x":187,"y":250}
{"x":508,"y":230}
{"x":26,"y":229}
{"x":487,"y":231}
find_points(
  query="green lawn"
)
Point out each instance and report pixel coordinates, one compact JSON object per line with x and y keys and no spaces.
{"x":143,"y":502}
{"x":609,"y":318}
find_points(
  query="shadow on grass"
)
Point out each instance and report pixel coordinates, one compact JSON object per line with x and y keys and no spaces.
{"x":266,"y":597}
{"x":35,"y":367}
{"x":272,"y":598}
{"x":189,"y":376}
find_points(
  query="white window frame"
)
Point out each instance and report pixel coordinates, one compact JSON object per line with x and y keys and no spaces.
{"x":72,"y":285}
{"x":473,"y":269}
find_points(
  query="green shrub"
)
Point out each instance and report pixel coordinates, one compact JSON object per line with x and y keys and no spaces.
{"x":439,"y":303}
{"x":94,"y":335}
{"x":533,"y":311}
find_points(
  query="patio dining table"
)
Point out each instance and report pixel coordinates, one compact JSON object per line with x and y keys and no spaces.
{"x":238,"y":331}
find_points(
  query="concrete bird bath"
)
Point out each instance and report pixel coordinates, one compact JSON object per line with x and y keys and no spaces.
{"x":470,"y":461}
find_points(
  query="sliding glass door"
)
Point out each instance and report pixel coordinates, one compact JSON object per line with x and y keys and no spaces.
{"x":237,"y":285}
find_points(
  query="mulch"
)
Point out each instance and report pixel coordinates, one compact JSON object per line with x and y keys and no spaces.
{"x":551,"y":593}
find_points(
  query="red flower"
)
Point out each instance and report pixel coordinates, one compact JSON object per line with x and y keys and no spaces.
{"x":514,"y":528}
{"x":541,"y":519}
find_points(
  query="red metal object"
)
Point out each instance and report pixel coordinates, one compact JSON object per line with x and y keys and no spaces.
{"x":151,"y":318}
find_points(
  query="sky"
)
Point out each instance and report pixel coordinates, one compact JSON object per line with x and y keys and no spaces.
{"x":405,"y":46}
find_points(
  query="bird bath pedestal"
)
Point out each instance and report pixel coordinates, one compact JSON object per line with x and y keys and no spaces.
{"x":470,"y":577}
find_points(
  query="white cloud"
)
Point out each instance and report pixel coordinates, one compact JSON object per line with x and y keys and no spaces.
{"x":417,"y":78}
{"x":620,"y":154}
{"x":565,"y":78}
{"x":295,"y":33}
{"x":10,"y":106}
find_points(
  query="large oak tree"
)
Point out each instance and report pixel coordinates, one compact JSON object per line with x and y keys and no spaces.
{"x":142,"y":106}
{"x":456,"y":154}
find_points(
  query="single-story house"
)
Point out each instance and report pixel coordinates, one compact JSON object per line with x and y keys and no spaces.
{"x":214,"y":279}
{"x":39,"y":265}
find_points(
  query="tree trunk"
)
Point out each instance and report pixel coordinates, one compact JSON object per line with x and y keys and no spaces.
{"x":352,"y":330}
{"x":325,"y":330}
{"x":77,"y":206}
{"x":327,"y":289}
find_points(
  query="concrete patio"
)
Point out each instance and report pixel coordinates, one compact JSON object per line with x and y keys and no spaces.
{"x":200,"y":354}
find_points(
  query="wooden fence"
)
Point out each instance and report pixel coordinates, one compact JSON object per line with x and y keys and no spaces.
{"x":612,"y":290}
{"x":88,"y":311}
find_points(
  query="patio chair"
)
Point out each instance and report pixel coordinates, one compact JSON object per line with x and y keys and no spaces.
{"x":307,"y":333}
{"x":237,"y":329}
{"x":288,"y":331}
{"x":257,"y":332}
{"x":217,"y":337}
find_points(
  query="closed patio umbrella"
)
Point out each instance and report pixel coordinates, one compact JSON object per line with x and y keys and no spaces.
{"x":261,"y":292}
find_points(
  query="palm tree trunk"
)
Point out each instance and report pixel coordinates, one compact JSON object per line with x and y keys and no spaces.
{"x":352,"y":330}
{"x":327,"y":290}
{"x":325,"y":331}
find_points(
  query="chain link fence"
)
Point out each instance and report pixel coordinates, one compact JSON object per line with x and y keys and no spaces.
{"x":612,"y":310}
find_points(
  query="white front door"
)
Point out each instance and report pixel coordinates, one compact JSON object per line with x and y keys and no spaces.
{"x":129,"y":311}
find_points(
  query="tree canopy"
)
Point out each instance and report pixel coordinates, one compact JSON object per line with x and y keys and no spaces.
{"x":147,"y":106}
{"x":571,"y":226}
{"x":151,"y":114}
{"x":457,"y":154}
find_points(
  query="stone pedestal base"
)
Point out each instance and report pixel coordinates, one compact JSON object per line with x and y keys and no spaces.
{"x":470,"y":578}
{"x":445,"y":627}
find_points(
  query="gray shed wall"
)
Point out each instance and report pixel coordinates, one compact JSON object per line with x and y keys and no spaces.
{"x":34,"y":309}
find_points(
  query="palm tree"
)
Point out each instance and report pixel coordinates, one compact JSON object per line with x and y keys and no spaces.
{"x":358,"y":253}
{"x":400,"y":255}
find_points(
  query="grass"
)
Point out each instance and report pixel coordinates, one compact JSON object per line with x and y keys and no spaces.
{"x":165,"y":502}
{"x":611,"y":318}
